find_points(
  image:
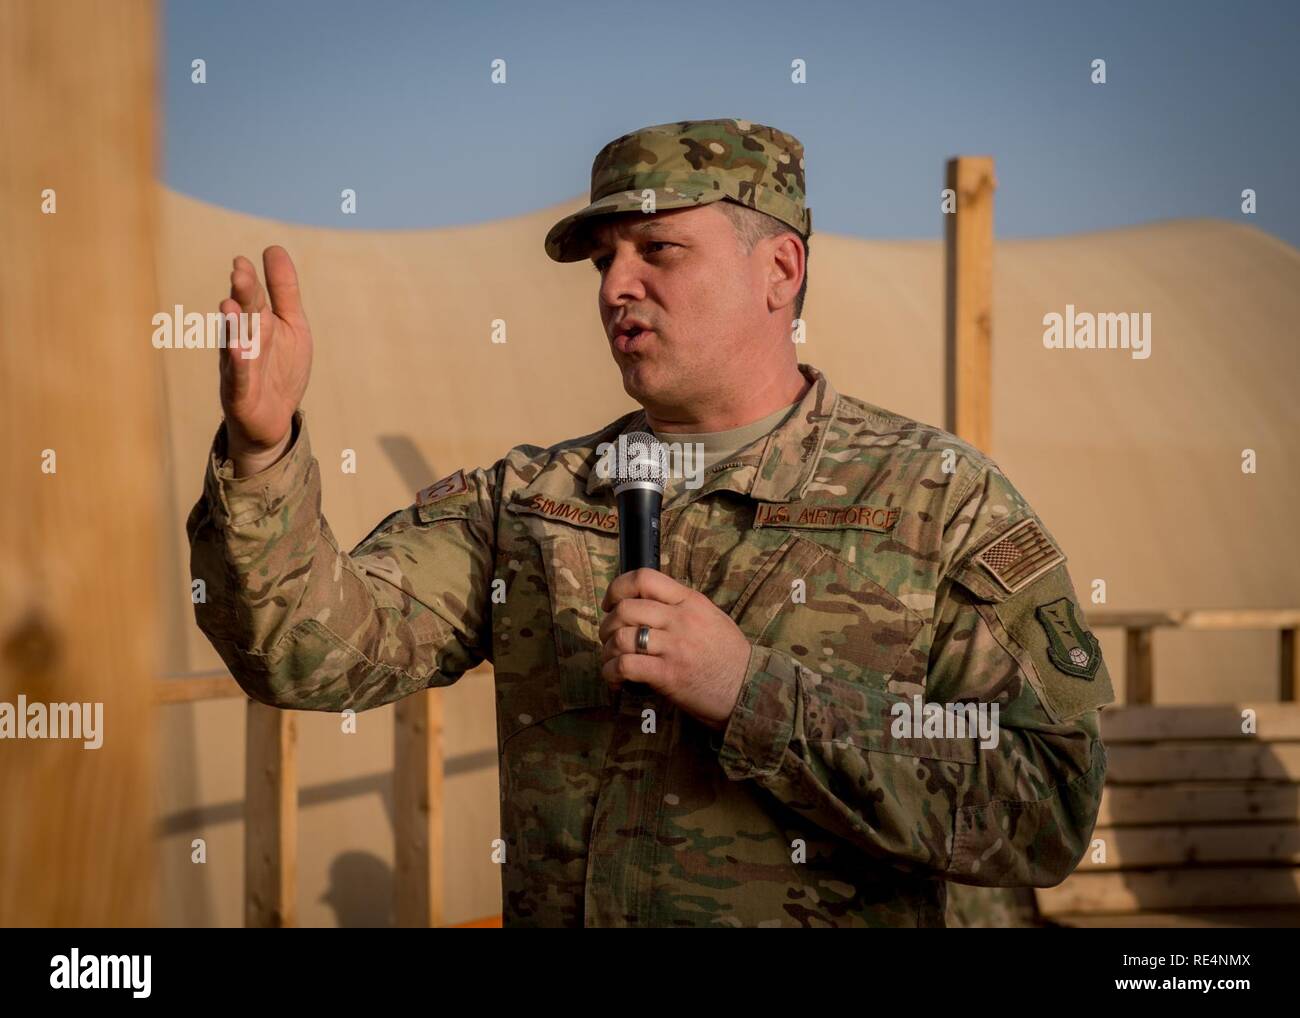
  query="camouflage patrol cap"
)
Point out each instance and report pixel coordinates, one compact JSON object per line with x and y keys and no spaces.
{"x":691,"y":162}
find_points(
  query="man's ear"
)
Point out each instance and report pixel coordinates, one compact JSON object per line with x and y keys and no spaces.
{"x":785,"y":272}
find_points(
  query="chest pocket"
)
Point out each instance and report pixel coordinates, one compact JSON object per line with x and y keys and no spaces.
{"x":831,"y":617}
{"x":546,"y":633}
{"x":574,"y":619}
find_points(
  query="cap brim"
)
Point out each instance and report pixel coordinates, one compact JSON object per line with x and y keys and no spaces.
{"x":567,"y":240}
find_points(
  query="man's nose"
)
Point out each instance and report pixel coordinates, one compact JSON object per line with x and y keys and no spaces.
{"x":622,"y":280}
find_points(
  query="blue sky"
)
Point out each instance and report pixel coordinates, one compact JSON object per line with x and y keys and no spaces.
{"x":394,"y":100}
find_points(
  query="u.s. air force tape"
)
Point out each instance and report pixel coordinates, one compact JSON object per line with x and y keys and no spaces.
{"x":1020,"y":556}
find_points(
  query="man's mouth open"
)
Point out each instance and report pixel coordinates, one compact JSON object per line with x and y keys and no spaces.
{"x":631,"y":341}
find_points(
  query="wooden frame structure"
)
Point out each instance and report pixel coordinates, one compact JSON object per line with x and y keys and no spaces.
{"x":271,"y":802}
{"x":1139,"y":650}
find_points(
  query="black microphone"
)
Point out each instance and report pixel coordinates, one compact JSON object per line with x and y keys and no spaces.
{"x":639,"y":474}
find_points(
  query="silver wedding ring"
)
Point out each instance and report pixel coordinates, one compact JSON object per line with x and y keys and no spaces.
{"x":643,"y":640}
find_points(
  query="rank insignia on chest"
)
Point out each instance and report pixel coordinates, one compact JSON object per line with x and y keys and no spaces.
{"x":1071,"y":648}
{"x":453,"y":484}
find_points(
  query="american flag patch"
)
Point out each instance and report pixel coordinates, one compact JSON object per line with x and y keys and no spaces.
{"x":1020,"y":556}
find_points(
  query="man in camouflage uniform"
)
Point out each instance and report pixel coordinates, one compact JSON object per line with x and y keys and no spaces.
{"x":838,"y":564}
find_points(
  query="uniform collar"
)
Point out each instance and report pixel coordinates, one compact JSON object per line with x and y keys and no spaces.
{"x":776,"y":469}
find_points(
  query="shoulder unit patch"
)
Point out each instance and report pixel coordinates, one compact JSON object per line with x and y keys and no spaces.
{"x":1071,"y":648}
{"x":453,"y":484}
{"x":1020,"y":556}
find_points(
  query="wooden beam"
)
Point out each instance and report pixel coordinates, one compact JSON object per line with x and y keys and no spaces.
{"x":1240,"y":618}
{"x":166,"y":691}
{"x":968,"y":245}
{"x":1202,"y":619}
{"x":1288,"y":665}
{"x":418,"y":819}
{"x":1274,"y":722}
{"x":270,"y":817}
{"x":1210,"y":761}
{"x":1154,"y":845}
{"x":1099,"y":618}
{"x":1139,"y":670}
{"x":1219,"y":801}
{"x":79,"y":461}
{"x":1210,"y":887}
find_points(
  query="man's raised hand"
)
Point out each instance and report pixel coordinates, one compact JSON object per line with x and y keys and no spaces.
{"x":260,"y":394}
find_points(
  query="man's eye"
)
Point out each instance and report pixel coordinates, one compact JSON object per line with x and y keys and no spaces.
{"x":602,"y":263}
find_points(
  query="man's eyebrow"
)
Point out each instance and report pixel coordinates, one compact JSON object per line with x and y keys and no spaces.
{"x":648,"y":227}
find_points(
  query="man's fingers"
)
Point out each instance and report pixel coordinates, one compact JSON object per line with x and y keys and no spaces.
{"x":282,"y":281}
{"x":246,"y":288}
{"x":228,"y":307}
{"x":230,"y":329}
{"x":623,"y":641}
{"x":635,"y":611}
{"x":650,"y":584}
{"x":644,"y":668}
{"x":235,"y":371}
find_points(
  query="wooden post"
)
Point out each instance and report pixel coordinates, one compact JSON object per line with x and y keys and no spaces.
{"x":1290,"y":665}
{"x":270,"y":816}
{"x":1139,"y":676}
{"x":417,"y":807}
{"x":968,"y":235}
{"x":79,"y":464}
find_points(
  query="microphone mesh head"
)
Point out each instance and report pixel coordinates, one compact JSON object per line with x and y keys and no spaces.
{"x":641,"y":458}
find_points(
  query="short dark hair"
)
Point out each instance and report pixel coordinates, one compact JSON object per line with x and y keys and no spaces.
{"x":751,"y":226}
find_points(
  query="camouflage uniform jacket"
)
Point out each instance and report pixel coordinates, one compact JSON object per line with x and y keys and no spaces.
{"x":871,"y":561}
